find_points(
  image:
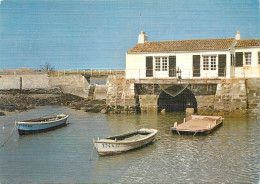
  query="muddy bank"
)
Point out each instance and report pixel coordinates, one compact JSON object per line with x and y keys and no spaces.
{"x":17,"y":101}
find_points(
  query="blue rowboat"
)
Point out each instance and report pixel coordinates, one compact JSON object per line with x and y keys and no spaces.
{"x":41,"y":124}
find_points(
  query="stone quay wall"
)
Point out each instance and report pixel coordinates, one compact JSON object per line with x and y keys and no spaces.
{"x":225,"y":97}
{"x":233,"y":98}
{"x":120,"y":94}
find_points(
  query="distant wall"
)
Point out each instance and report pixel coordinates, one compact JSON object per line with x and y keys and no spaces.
{"x":72,"y":84}
{"x":28,"y":81}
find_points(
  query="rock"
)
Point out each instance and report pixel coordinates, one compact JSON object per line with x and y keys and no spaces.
{"x":2,"y":114}
{"x":163,"y":111}
{"x":103,"y":111}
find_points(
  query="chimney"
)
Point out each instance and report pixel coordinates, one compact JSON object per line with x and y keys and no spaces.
{"x":142,"y":37}
{"x":237,"y":36}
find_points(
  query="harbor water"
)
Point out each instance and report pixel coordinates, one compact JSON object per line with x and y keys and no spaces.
{"x":228,"y":155}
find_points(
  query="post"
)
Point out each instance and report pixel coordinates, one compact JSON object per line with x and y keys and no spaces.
{"x":21,"y":84}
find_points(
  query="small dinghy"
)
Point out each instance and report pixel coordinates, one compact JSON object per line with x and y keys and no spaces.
{"x":41,"y":124}
{"x":197,"y":124}
{"x":125,"y":142}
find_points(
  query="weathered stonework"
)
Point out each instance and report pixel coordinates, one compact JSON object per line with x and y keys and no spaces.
{"x":253,"y":96}
{"x":148,"y":103}
{"x":120,"y":92}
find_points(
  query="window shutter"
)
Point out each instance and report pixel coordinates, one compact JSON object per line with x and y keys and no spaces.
{"x":222,"y":65}
{"x":239,"y":59}
{"x":172,"y":66}
{"x":149,"y":66}
{"x":196,"y":65}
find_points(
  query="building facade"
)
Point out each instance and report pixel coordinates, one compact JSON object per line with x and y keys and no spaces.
{"x":194,"y":59}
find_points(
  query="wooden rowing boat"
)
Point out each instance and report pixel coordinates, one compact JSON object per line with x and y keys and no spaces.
{"x":121,"y":143}
{"x":41,"y":124}
{"x":198,"y":124}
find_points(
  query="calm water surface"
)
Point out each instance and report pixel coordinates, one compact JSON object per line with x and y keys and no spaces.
{"x":229,"y":155}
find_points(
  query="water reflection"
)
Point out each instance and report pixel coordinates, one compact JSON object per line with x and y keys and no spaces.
{"x":229,"y":155}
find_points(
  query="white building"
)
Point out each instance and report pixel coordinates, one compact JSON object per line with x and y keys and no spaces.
{"x":195,"y":58}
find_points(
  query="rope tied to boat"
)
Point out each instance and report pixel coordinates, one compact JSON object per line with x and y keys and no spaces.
{"x":9,"y":136}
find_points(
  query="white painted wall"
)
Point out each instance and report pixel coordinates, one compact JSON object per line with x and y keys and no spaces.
{"x":248,"y":71}
{"x":136,"y":64}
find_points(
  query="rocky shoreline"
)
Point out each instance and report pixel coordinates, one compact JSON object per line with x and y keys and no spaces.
{"x":13,"y":101}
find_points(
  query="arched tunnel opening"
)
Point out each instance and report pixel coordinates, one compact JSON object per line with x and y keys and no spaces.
{"x":178,"y":103}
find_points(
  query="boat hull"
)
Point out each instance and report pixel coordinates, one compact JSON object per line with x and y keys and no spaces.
{"x":29,"y":128}
{"x":105,"y":148}
{"x":198,"y":124}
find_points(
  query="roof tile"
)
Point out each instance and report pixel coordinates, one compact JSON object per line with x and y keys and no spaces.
{"x":183,"y":45}
{"x":248,"y":43}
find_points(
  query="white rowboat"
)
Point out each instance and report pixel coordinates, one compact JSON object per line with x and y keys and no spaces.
{"x":125,"y":142}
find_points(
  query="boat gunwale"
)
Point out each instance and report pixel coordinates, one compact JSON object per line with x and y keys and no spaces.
{"x":105,"y":140}
{"x":41,"y":122}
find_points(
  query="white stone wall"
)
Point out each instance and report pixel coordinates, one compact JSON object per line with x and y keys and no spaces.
{"x":248,"y":71}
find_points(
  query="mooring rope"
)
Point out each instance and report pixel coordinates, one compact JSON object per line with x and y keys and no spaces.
{"x":92,"y":152}
{"x":9,"y":136}
{"x":208,"y":105}
{"x":177,"y":93}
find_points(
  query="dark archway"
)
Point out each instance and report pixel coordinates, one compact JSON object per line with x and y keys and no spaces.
{"x":179,"y":103}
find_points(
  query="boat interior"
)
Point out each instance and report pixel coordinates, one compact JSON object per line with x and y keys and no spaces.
{"x":130,"y":136}
{"x":49,"y":118}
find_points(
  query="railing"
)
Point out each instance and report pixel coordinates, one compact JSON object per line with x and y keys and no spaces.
{"x":233,"y":72}
{"x":87,"y":72}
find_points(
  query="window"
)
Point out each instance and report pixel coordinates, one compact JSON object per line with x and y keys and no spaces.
{"x":205,"y":62}
{"x":259,"y":58}
{"x":164,"y":64}
{"x":209,"y":62}
{"x":213,"y":63}
{"x":161,"y":63}
{"x":248,"y":58}
{"x":157,"y":64}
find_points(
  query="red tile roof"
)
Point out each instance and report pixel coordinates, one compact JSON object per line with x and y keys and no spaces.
{"x":183,"y":45}
{"x":248,"y":43}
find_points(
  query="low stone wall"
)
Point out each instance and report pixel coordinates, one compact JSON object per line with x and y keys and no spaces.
{"x":29,"y":81}
{"x":100,"y":92}
{"x":72,"y":84}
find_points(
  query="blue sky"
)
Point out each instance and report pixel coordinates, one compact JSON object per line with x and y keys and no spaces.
{"x":88,"y":34}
